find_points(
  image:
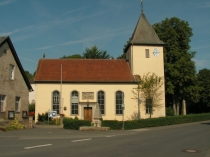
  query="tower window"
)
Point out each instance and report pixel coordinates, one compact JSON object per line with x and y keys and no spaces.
{"x":147,"y":53}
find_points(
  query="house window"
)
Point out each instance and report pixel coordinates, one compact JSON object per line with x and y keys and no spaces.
{"x":11,"y":71}
{"x":2,"y":103}
{"x":56,"y":101}
{"x":119,"y":101}
{"x":148,"y":105}
{"x":101,"y":101}
{"x":74,"y":102}
{"x":17,"y":104}
{"x":147,"y":53}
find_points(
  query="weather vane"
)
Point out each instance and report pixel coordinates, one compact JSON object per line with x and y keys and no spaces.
{"x":141,"y":6}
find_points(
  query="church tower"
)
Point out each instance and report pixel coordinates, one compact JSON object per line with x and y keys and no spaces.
{"x":145,"y":50}
{"x":144,"y":53}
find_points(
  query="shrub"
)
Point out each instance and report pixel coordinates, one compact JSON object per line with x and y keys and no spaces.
{"x":43,"y":117}
{"x":169,"y":111}
{"x":69,"y":123}
{"x":155,"y":122}
{"x":31,"y":107}
{"x":15,"y":125}
{"x":55,"y":121}
{"x":113,"y":124}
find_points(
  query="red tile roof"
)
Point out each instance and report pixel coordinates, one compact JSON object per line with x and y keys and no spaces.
{"x":83,"y":70}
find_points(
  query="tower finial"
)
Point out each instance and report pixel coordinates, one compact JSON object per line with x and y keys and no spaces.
{"x":141,"y":6}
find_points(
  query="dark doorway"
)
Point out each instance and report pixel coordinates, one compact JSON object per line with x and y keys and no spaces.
{"x":88,"y":113}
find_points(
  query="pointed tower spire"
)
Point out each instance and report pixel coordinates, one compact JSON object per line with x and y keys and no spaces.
{"x":144,"y":33}
{"x":142,"y":7}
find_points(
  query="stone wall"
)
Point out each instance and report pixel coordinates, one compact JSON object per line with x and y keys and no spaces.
{"x":12,"y":87}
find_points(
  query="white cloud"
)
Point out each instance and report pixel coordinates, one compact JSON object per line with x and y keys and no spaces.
{"x":7,"y":2}
{"x":28,"y":59}
{"x":105,"y":34}
{"x":44,"y":48}
{"x":206,"y":5}
{"x":199,"y":63}
{"x":9,"y":33}
{"x":96,"y":37}
{"x":200,"y":47}
{"x":71,"y":11}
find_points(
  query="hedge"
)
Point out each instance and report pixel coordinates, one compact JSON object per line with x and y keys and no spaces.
{"x":74,"y":124}
{"x":155,"y":122}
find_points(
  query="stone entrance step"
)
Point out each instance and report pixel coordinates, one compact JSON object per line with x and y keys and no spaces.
{"x":90,"y":128}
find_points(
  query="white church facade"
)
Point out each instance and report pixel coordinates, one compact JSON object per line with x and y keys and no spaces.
{"x":73,"y":86}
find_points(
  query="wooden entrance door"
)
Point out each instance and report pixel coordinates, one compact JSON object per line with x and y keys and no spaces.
{"x":88,"y":113}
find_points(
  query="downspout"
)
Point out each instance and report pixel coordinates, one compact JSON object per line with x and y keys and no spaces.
{"x":61,"y":107}
{"x":132,"y":58}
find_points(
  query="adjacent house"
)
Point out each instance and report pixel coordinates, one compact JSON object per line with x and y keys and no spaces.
{"x":74,"y":86}
{"x":14,"y":85}
{"x":32,"y":93}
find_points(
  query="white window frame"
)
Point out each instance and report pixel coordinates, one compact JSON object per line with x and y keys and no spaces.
{"x":74,"y":103}
{"x":2,"y":103}
{"x":17,"y":104}
{"x":56,"y":101}
{"x":100,"y":99}
{"x":11,"y":72}
{"x":119,"y":99}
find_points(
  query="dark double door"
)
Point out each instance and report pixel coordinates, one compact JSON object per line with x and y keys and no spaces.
{"x":88,"y":113}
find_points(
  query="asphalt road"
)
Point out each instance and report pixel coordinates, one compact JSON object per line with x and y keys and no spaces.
{"x":167,"y":141}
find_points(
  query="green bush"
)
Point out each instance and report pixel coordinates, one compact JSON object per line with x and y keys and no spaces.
{"x":74,"y":124}
{"x":43,"y":117}
{"x":155,"y":122}
{"x":31,"y":107}
{"x":15,"y":125}
{"x":169,"y":111}
{"x":113,"y":124}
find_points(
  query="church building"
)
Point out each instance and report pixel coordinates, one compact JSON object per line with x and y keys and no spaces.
{"x":73,"y":87}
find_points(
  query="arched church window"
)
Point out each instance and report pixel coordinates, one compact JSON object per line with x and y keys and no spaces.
{"x":119,"y":100}
{"x":101,"y":101}
{"x":56,"y":101}
{"x":74,"y":102}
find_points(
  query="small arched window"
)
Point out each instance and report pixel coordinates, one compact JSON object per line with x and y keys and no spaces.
{"x":74,"y":102}
{"x":119,"y":100}
{"x":101,"y":101}
{"x":56,"y":101}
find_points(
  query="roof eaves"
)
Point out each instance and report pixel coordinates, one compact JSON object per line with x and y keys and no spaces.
{"x":19,"y":64}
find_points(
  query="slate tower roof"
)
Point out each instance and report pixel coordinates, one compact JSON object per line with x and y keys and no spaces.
{"x":144,"y":34}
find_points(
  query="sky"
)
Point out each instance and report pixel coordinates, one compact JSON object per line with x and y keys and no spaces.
{"x":66,"y":27}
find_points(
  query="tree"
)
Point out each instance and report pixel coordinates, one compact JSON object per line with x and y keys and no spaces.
{"x":95,"y":53}
{"x":150,"y":89}
{"x":127,"y":43}
{"x":74,"y":56}
{"x":179,"y":68}
{"x":29,"y":75}
{"x":123,"y":56}
{"x":203,"y":105}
